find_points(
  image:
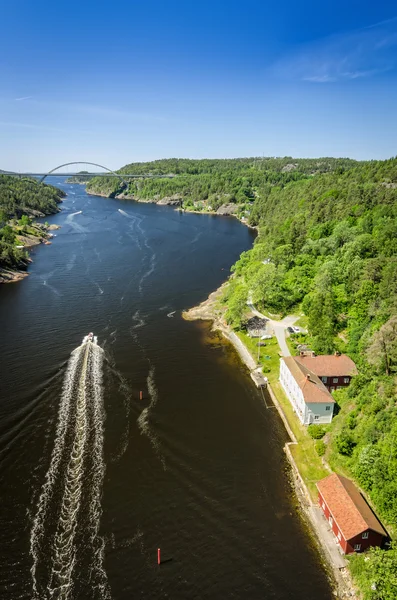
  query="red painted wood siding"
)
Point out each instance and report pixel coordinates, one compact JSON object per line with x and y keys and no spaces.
{"x":340,"y":383}
{"x":374,"y":538}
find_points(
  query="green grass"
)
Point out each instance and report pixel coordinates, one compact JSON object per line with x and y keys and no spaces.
{"x":302,"y":321}
{"x":304,"y":453}
{"x":270,"y":366}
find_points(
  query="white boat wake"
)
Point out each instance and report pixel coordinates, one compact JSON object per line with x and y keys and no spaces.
{"x":65,"y":545}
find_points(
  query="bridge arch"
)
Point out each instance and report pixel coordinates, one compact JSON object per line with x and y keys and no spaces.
{"x":83,"y":162}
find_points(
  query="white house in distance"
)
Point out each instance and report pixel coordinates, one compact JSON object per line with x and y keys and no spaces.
{"x":309,"y":397}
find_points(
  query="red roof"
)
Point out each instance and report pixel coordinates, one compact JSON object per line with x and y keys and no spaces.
{"x":329,"y":365}
{"x":350,"y":511}
{"x":313,"y":389}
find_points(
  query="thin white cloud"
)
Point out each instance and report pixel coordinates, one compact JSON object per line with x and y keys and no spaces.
{"x":352,"y":55}
{"x":13,"y":124}
{"x":23,"y":98}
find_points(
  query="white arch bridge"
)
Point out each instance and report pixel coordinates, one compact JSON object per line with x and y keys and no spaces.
{"x":124,"y":177}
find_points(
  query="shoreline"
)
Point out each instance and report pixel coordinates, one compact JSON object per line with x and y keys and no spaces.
{"x":170,"y":202}
{"x":209,"y":310}
{"x":13,"y":275}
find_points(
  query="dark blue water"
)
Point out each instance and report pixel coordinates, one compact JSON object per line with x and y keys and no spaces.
{"x":94,"y":479}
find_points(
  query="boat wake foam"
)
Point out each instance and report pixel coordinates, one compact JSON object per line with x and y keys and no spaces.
{"x":65,"y":545}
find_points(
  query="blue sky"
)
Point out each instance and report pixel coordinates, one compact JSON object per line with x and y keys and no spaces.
{"x":127,"y":81}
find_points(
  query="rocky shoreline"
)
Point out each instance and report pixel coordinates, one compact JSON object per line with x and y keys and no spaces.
{"x":27,"y":241}
{"x":227,"y":209}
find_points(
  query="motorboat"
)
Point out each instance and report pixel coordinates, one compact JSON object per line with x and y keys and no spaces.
{"x":90,"y":338}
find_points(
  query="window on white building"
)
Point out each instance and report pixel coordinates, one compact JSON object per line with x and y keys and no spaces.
{"x":335,"y":380}
{"x":357,"y":547}
{"x":327,"y":408}
{"x":316,"y":417}
{"x":346,"y":379}
{"x":365,"y":535}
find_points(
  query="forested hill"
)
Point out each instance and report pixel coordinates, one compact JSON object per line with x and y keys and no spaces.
{"x":328,"y":245}
{"x":186,"y":166}
{"x":209,"y":183}
{"x":21,"y":199}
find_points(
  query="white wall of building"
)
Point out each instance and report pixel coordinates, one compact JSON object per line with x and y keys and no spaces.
{"x":311,"y":412}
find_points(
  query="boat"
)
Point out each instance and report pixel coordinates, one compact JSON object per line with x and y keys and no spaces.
{"x":90,"y":338}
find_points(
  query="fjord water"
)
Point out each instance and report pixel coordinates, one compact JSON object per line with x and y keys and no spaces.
{"x":94,"y":479}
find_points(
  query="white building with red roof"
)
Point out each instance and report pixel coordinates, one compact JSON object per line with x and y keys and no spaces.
{"x":350,"y":518}
{"x":309,"y":397}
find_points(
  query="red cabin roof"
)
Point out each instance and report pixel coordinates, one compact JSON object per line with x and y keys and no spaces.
{"x":348,"y":507}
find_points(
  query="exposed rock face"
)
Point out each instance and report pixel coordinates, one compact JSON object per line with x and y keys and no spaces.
{"x":11,"y":276}
{"x":227,"y":209}
{"x":289,"y":167}
{"x":125,"y":197}
{"x":174,"y":200}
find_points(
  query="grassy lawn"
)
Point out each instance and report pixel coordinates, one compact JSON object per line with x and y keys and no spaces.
{"x":307,"y":460}
{"x":271,"y":365}
{"x":302,"y":322}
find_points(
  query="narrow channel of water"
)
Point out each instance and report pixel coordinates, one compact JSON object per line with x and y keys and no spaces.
{"x":94,"y":479}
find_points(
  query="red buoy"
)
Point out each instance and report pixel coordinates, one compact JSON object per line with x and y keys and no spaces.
{"x":158,"y":556}
{"x":140,"y":395}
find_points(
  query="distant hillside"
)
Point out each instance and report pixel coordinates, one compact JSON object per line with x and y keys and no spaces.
{"x":209,"y":183}
{"x":82,"y":177}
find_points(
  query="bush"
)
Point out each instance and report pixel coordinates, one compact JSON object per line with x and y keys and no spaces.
{"x":345,"y":443}
{"x":320,"y":447}
{"x":316,"y":431}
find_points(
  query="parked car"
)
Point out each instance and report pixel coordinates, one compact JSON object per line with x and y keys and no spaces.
{"x":290,"y":330}
{"x":266,"y":337}
{"x":296,"y":329}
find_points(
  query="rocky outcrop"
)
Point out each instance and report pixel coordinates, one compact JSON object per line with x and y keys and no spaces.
{"x":289,"y":167}
{"x":123,"y":196}
{"x":11,"y":276}
{"x":174,"y":200}
{"x":227,"y":209}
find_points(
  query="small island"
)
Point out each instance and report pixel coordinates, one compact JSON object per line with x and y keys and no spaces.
{"x":81,"y":178}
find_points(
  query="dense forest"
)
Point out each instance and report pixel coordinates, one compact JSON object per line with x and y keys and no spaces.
{"x":207,"y":184}
{"x":21,"y":199}
{"x":327,"y":245}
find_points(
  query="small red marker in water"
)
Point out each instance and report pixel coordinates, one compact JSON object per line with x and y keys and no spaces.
{"x":158,"y":556}
{"x":140,"y":395}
